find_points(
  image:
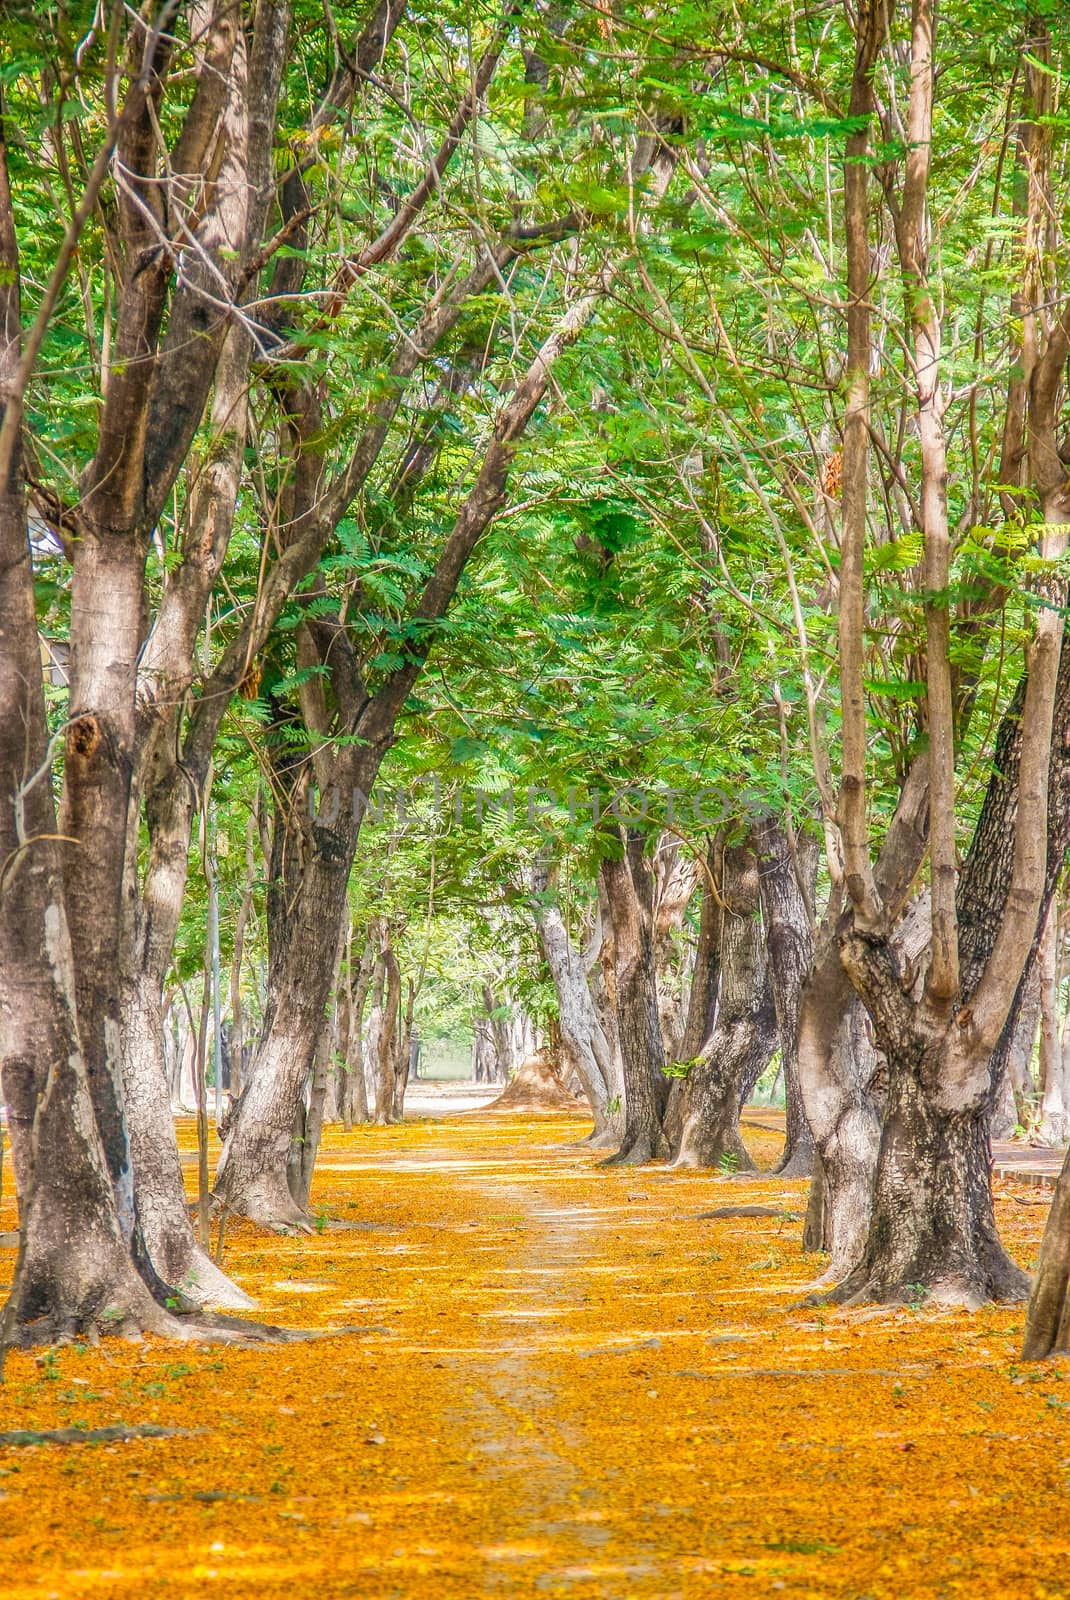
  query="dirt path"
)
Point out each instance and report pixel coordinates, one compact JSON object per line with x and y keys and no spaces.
{"x":564,"y":1383}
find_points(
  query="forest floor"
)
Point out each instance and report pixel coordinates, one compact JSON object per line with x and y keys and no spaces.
{"x":564,"y":1382}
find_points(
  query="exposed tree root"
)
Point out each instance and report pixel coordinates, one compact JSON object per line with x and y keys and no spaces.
{"x":637,"y":1154}
{"x":266,"y":1201}
{"x":606,"y":1140}
{"x":798,"y":1164}
{"x":749,"y":1211}
{"x":1001,"y":1283}
{"x":209,"y":1287}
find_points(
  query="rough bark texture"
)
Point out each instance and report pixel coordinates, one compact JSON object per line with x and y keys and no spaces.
{"x":251,"y":1179}
{"x":786,"y":912}
{"x":745,"y":1032}
{"x":948,"y":1239}
{"x":933,"y":1232}
{"x":705,"y":973}
{"x":1055,"y":1104}
{"x":163,"y":1212}
{"x":675,"y":875}
{"x":935,"y":1224}
{"x":354,"y":1088}
{"x":583,"y":1046}
{"x":627,"y":884}
{"x":1047,"y":1324}
{"x":386,"y":1040}
{"x":835,"y":1044}
{"x":74,"y":1275}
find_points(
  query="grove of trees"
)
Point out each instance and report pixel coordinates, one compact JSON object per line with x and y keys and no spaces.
{"x":552,"y":517}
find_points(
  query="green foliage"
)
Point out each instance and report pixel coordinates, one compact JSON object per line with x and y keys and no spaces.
{"x":651,"y":620}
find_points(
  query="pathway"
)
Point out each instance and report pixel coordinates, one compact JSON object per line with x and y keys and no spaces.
{"x":563,"y":1382}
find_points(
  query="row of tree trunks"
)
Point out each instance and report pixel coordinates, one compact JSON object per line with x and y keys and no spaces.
{"x":752,"y":956}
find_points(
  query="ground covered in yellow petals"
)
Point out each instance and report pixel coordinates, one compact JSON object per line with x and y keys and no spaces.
{"x":563,"y":1382}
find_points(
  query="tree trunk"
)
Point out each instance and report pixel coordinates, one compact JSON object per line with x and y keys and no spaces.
{"x":584,"y":1047}
{"x":403,"y":1056}
{"x":308,"y":1126}
{"x":75,"y":1276}
{"x":1019,"y":1049}
{"x":1054,"y":1126}
{"x":251,"y":1176}
{"x":237,"y":1009}
{"x":163,"y":1211}
{"x":933,"y":1231}
{"x":484,"y":1056}
{"x":354,"y":1086}
{"x":675,"y":875}
{"x":1014,"y":1093}
{"x":744,"y":1036}
{"x":959,"y":1253}
{"x":1047,"y":1323}
{"x":386,"y":1041}
{"x":159,"y":1191}
{"x":628,"y":889}
{"x":705,"y":974}
{"x":786,"y":911}
{"x":837,"y":1068}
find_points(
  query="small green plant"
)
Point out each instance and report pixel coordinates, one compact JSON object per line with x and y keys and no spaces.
{"x":321,"y":1220}
{"x":917,"y":1294}
{"x":728,"y":1164}
{"x":614,"y":1105}
{"x":677,"y":1069}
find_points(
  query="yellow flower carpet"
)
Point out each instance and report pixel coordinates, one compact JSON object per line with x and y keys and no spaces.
{"x":558,"y":1380}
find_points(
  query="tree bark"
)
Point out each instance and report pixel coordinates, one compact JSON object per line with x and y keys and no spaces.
{"x":744,"y":1035}
{"x":1053,"y":1127}
{"x":386,"y":1039}
{"x":705,"y":973}
{"x":786,"y":911}
{"x":163,"y":1211}
{"x":675,"y":875}
{"x":629,"y":892}
{"x":584,"y":1047}
{"x":74,"y":1274}
{"x":355,"y":1086}
{"x":837,"y":1068}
